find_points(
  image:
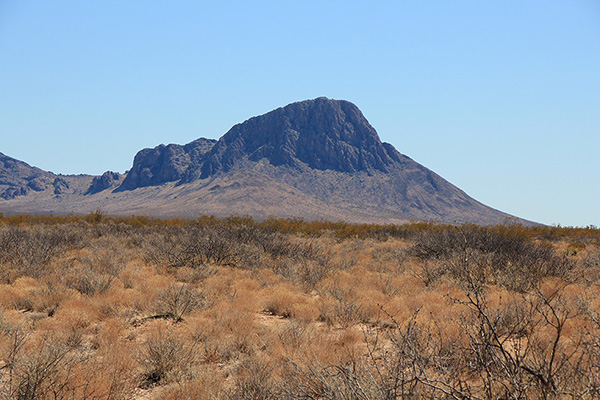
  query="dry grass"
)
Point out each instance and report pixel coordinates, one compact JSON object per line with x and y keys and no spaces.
{"x":103,"y":308}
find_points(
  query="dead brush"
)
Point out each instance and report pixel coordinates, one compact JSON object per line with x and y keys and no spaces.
{"x":340,"y":306}
{"x":254,"y":381}
{"x":165,"y":357}
{"x":28,"y":251}
{"x":44,"y":366}
{"x":178,"y":300}
{"x":488,"y":255}
{"x":294,"y":335}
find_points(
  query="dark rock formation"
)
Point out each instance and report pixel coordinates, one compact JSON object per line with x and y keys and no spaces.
{"x":103,"y":182}
{"x":60,"y":185}
{"x":13,"y":191}
{"x":165,"y":163}
{"x":323,"y":134}
{"x":18,"y":178}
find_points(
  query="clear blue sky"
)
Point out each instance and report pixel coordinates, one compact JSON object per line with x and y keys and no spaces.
{"x":502,"y":98}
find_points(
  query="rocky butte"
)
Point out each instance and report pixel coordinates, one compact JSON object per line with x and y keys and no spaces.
{"x":312,"y":159}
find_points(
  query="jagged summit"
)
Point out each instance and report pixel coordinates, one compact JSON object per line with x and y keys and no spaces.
{"x":324,"y":134}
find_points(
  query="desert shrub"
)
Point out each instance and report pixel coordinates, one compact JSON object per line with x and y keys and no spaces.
{"x":35,"y":372}
{"x":344,"y":380}
{"x":96,"y":269}
{"x":178,"y":300}
{"x":275,"y":306}
{"x":575,"y":247}
{"x":516,"y":349}
{"x":28,"y":250}
{"x":89,"y":282}
{"x":304,"y":262}
{"x":207,"y":383}
{"x":44,"y":367}
{"x":241,"y":246}
{"x":233,"y":334}
{"x":591,"y":344}
{"x":305,"y":272}
{"x":294,"y":334}
{"x":477,"y":255}
{"x":165,"y":357}
{"x":253,"y":381}
{"x":500,"y":318}
{"x":46,"y":298}
{"x":194,"y":275}
{"x":340,"y":306}
{"x":443,"y":241}
{"x":197,"y":245}
{"x":520,"y":349}
{"x":14,"y":338}
{"x":122,"y":231}
{"x":592,"y":260}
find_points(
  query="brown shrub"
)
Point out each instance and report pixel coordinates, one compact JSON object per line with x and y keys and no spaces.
{"x":475,"y":256}
{"x":254,"y":380}
{"x":165,"y":357}
{"x":463,"y":300}
{"x":178,"y":300}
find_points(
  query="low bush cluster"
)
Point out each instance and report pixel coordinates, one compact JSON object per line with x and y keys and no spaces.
{"x":99,"y":307}
{"x":481,"y":255}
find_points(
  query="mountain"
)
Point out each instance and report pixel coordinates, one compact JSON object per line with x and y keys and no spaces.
{"x":18,"y":179}
{"x":312,"y":159}
{"x":322,"y":134}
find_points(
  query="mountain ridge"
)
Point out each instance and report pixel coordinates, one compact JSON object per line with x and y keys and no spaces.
{"x":311,"y":159}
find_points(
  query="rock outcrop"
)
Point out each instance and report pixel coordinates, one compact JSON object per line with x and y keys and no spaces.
{"x":105,"y":181}
{"x":60,"y":185}
{"x":165,"y":163}
{"x":18,"y":178}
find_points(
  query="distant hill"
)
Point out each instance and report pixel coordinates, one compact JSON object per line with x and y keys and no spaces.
{"x":313,"y":159}
{"x":18,"y":179}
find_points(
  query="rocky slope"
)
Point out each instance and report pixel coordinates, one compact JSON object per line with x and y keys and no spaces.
{"x":322,"y":134}
{"x":163,"y":164}
{"x":107,"y":180}
{"x":312,"y":159}
{"x":18,"y":179}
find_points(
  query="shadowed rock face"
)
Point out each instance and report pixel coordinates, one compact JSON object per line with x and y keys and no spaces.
{"x":323,"y":134}
{"x":60,"y":186}
{"x":103,"y":182}
{"x":18,"y":178}
{"x":165,"y":163}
